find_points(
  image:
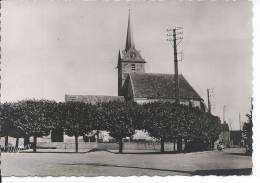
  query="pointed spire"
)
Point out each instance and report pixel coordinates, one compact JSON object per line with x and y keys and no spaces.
{"x":119,"y":59}
{"x":129,"y":36}
{"x":119,"y":55}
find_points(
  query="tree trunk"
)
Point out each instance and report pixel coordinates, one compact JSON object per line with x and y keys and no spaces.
{"x":17,"y":142}
{"x":77,"y":143}
{"x":57,"y":135}
{"x":174,"y":143}
{"x":26,"y":141}
{"x":185,"y":145}
{"x":162,"y":144}
{"x":179,"y":144}
{"x":6,"y":143}
{"x":34,"y":143}
{"x":120,"y":145}
{"x":97,"y":137}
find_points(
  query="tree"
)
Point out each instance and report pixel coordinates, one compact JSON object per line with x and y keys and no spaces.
{"x":6,"y":121}
{"x":118,"y":121}
{"x":97,"y":113}
{"x":77,"y":119}
{"x":160,"y":121}
{"x":170,"y":121}
{"x":32,"y":119}
{"x":56,"y":115}
{"x":248,"y":133}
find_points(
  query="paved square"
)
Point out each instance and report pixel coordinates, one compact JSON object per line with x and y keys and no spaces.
{"x":102,"y":163}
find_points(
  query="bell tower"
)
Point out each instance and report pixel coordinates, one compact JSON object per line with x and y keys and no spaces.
{"x":129,"y":59}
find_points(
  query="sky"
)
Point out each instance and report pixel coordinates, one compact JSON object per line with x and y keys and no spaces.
{"x":52,"y":48}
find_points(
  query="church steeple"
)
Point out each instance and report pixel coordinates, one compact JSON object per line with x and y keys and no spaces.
{"x":129,"y":60}
{"x":129,"y":37}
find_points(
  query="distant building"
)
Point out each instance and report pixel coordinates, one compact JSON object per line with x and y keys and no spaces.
{"x":93,"y":99}
{"x":235,"y":138}
{"x":224,"y":136}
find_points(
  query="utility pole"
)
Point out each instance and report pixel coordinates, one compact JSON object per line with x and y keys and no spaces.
{"x":240,"y":130}
{"x":224,"y":113}
{"x":210,"y":93}
{"x":209,"y":105}
{"x":239,"y":119}
{"x":176,"y":34}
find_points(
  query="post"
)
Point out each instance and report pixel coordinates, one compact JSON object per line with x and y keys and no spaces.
{"x":162,"y":144}
{"x":97,"y":137}
{"x":176,"y":69}
{"x":174,"y":143}
{"x":224,"y":113}
{"x":26,"y":141}
{"x":120,"y":144}
{"x":209,"y":105}
{"x":34,"y":143}
{"x":6,"y":141}
{"x":179,"y":144}
{"x":76,"y":143}
{"x":17,"y":142}
{"x":176,"y":35}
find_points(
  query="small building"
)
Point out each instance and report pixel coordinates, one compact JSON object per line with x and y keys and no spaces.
{"x":235,"y":138}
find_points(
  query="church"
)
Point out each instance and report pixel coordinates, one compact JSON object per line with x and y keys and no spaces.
{"x":134,"y":84}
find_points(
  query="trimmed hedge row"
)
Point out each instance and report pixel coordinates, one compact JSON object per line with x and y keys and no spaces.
{"x":164,"y":121}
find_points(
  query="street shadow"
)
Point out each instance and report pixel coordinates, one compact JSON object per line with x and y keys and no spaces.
{"x":237,"y":154}
{"x":218,"y":172}
{"x":224,"y":172}
{"x":58,"y":152}
{"x":131,"y":167}
{"x":149,"y":153}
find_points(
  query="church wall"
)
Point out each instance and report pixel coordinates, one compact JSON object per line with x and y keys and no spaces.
{"x":129,"y":90}
{"x":127,"y":68}
{"x":194,"y":103}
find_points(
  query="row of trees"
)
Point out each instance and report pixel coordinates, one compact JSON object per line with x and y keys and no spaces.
{"x":164,"y":121}
{"x":247,"y":134}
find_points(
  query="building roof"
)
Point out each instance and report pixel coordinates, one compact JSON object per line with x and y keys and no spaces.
{"x":92,"y":99}
{"x":160,"y":86}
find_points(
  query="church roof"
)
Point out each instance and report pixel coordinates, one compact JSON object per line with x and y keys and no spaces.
{"x":160,"y":86}
{"x":93,"y":99}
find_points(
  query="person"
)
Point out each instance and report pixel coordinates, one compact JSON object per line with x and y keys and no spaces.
{"x":220,"y":146}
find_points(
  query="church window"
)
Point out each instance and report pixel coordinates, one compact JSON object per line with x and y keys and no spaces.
{"x":133,"y":67}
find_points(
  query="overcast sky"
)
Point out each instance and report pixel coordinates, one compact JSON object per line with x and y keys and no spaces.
{"x":50,"y":49}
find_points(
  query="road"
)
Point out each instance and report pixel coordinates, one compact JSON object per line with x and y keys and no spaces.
{"x":102,"y":163}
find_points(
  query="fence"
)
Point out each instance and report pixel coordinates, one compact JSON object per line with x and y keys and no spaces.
{"x":14,"y":149}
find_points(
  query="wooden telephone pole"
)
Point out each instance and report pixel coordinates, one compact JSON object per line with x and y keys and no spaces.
{"x":176,"y":34}
{"x":209,"y":105}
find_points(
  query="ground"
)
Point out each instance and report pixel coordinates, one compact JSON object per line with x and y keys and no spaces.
{"x":230,"y":161}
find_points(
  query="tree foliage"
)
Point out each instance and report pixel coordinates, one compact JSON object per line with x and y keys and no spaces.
{"x":118,"y":121}
{"x":77,"y":119}
{"x":163,"y":121}
{"x":248,"y":134}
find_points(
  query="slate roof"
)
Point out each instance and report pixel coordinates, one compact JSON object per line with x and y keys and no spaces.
{"x":160,"y":86}
{"x":92,"y":99}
